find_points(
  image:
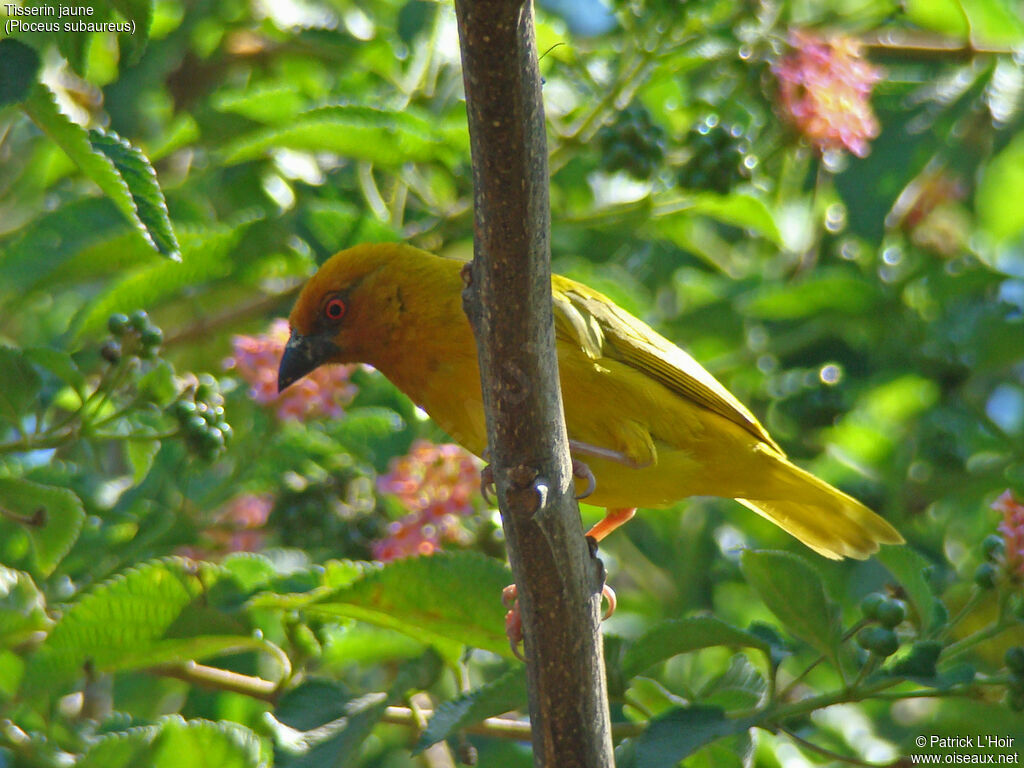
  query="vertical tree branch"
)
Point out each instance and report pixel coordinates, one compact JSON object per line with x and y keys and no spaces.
{"x":508,"y":300}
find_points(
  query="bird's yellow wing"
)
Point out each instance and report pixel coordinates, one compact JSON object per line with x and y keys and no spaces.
{"x":602,"y":330}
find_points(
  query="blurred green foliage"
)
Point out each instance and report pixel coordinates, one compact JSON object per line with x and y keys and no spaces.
{"x":871,"y":310}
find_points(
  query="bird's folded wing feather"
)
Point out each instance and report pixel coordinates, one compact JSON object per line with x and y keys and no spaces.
{"x":602,"y":329}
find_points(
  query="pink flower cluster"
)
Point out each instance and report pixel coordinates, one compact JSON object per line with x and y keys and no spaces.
{"x":826,"y":89}
{"x":1012,"y":529}
{"x":321,"y":393}
{"x":438,"y":485}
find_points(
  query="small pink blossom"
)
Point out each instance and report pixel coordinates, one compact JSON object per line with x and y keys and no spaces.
{"x":321,"y":393}
{"x":438,"y":484}
{"x":1012,"y":529}
{"x":826,"y":89}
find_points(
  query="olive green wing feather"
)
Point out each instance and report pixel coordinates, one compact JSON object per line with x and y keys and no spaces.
{"x":603,"y":330}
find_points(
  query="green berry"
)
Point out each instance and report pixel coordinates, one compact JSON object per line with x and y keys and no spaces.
{"x":870,"y":604}
{"x":879,"y":640}
{"x":891,"y":613}
{"x":211,"y":440}
{"x":139,"y":320}
{"x":111,"y":352}
{"x":1014,"y":659}
{"x":182,"y":409}
{"x":151,"y":336}
{"x":117,"y":324}
{"x":226,"y":430}
{"x":194,"y":426}
{"x":993,"y":546}
{"x":985,"y":576}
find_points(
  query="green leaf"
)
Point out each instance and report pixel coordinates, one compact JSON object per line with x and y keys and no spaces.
{"x":681,"y":732}
{"x":908,"y":568}
{"x":141,"y":13}
{"x":157,"y":613}
{"x":19,"y":385}
{"x":176,"y":742}
{"x":140,"y":455}
{"x":824,"y":291}
{"x":22,"y":608}
{"x":506,"y":693}
{"x":364,"y":133}
{"x":793,"y":590}
{"x":944,"y":16}
{"x":1000,"y":191}
{"x":54,"y":518}
{"x":271,"y":103}
{"x":117,"y":168}
{"x":157,"y":384}
{"x":675,"y":636}
{"x":19,"y":64}
{"x":741,"y":211}
{"x":448,"y":599}
{"x":59,"y":363}
{"x":204,"y":257}
{"x":150,"y":208}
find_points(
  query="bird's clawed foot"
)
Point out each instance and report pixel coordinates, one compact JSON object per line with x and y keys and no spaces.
{"x":581,"y":471}
{"x":487,"y":485}
{"x":514,"y":619}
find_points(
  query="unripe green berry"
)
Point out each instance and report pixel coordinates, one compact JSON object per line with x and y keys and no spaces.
{"x":985,"y":576}
{"x":194,"y":425}
{"x":139,"y":320}
{"x":879,"y":640}
{"x":1014,"y":659}
{"x":117,"y":324}
{"x":211,"y":440}
{"x":111,"y":352}
{"x":993,"y":546}
{"x":226,"y":430}
{"x":151,"y":336}
{"x":182,"y":409}
{"x":891,"y":613}
{"x":921,"y":661}
{"x":870,"y":604}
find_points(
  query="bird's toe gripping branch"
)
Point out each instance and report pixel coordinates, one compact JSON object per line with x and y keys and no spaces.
{"x":514,"y":619}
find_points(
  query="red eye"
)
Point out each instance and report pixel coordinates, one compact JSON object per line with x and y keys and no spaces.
{"x":334,"y":309}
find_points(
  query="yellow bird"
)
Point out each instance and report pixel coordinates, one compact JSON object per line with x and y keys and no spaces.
{"x":649,"y":422}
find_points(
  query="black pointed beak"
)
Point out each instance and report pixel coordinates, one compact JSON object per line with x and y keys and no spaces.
{"x":302,"y":355}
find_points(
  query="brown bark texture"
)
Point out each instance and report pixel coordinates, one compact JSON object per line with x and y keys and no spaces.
{"x":508,"y":301}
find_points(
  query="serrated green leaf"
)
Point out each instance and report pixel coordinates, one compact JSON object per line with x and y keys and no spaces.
{"x":19,"y":385}
{"x":59,"y":363}
{"x":506,"y":693}
{"x":676,"y":636}
{"x":449,"y":599}
{"x":54,"y":518}
{"x":741,"y":686}
{"x":22,"y":608}
{"x":365,"y":133}
{"x":681,"y":732}
{"x":175,"y":742}
{"x":158,"y":613}
{"x":793,"y":590}
{"x":150,"y":208}
{"x":908,"y":568}
{"x":204,"y":256}
{"x":271,"y":103}
{"x":19,"y":64}
{"x":120,"y":170}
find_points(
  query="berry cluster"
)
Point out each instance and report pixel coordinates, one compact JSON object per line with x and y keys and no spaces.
{"x":826,"y":90}
{"x":235,"y":527}
{"x":438,"y":484}
{"x":632,"y":142}
{"x":135,"y":336}
{"x":880,"y":639}
{"x":200,"y":414}
{"x":323,"y":392}
{"x":1012,"y":530}
{"x":720,"y":158}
